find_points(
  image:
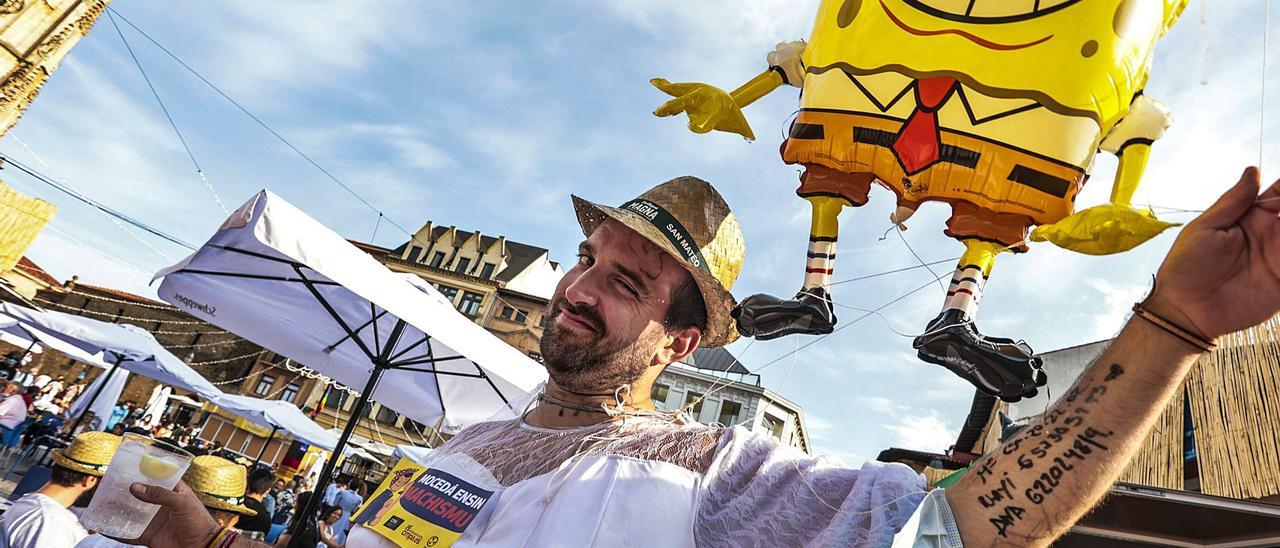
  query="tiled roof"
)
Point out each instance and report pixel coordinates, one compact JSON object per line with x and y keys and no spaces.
{"x":124,"y":295}
{"x":30,"y":268}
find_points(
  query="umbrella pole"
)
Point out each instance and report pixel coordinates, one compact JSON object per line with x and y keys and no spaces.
{"x":94,"y":397}
{"x":25,"y":352}
{"x":274,"y":429}
{"x":317,"y":493}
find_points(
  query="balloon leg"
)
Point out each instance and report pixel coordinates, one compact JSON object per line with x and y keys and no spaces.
{"x":1001,"y":367}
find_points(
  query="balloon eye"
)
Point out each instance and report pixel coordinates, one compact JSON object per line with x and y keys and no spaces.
{"x":1089,"y":48}
{"x":848,"y":11}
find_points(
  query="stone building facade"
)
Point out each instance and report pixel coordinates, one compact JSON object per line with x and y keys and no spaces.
{"x":34,"y":37}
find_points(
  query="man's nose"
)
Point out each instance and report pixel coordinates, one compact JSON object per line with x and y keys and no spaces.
{"x":584,"y":290}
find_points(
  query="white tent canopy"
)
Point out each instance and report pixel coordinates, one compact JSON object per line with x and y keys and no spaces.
{"x":278,"y":415}
{"x":108,"y":389}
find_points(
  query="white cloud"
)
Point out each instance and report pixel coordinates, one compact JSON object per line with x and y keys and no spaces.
{"x":922,"y":433}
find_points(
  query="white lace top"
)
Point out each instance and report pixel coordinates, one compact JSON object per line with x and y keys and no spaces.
{"x":745,"y":489}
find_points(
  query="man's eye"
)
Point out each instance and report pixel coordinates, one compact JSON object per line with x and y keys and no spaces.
{"x":627,"y":287}
{"x":584,"y":259}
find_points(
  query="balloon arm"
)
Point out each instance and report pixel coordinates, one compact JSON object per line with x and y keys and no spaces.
{"x":757,"y":87}
{"x":1133,"y":162}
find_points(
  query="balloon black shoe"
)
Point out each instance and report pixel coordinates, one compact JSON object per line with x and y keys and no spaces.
{"x":1001,"y":367}
{"x":765,"y":317}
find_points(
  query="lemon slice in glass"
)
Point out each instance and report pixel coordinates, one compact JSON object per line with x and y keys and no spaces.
{"x":156,"y":468}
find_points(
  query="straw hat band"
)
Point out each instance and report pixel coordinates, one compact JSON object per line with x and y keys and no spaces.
{"x":235,"y":501}
{"x":92,"y":466}
{"x":670,"y":227}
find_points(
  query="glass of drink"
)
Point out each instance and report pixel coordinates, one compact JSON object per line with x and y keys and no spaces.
{"x":114,"y":511}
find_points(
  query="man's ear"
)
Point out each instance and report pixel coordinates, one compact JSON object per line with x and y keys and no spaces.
{"x":90,"y":481}
{"x":680,"y":344}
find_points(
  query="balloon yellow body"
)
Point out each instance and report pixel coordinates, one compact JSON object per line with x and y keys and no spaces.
{"x":994,"y":107}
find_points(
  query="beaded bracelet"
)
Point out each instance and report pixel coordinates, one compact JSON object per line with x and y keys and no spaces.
{"x":229,"y":539}
{"x":1174,"y":329}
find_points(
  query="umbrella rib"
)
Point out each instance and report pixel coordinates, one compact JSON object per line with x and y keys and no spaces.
{"x":358,"y":329}
{"x":377,"y":341}
{"x":424,"y":338}
{"x":255,"y":276}
{"x":334,"y":313}
{"x":438,"y":372}
{"x":421,"y":360}
{"x":262,"y":256}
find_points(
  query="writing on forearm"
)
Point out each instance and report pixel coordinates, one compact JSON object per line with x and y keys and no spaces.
{"x":1054,"y":446}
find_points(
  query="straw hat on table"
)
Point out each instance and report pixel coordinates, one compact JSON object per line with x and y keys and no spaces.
{"x":219,"y":484}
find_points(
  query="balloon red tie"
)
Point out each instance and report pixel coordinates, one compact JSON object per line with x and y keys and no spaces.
{"x":918,"y":145}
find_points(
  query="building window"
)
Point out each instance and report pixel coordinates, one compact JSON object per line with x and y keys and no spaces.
{"x":537,"y":357}
{"x":470,"y":303}
{"x":486,"y":271}
{"x":414,"y":252}
{"x":729,"y":411}
{"x":265,"y":383}
{"x":691,"y":397}
{"x":774,"y":425}
{"x":290,"y":392}
{"x":437,"y":259}
{"x":463,"y":264}
{"x":660,"y":393}
{"x":386,"y":415}
{"x":514,"y":314}
{"x":448,"y":292}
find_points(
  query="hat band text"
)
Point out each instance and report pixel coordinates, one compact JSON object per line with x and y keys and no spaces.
{"x":667,"y":224}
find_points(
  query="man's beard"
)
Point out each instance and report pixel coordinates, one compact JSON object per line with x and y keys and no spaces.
{"x":596,"y":366}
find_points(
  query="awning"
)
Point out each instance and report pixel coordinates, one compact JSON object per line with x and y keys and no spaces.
{"x":279,"y":416}
{"x":413,"y":452}
{"x":1137,"y":515}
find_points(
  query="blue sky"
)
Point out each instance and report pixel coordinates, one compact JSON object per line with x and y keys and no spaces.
{"x":487,"y":115}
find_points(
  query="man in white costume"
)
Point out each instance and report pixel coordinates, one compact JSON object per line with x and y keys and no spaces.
{"x":594,"y":464}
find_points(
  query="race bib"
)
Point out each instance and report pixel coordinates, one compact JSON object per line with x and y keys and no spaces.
{"x":432,"y":507}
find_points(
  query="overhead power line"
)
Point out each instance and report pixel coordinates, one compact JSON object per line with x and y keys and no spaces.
{"x":35,"y":174}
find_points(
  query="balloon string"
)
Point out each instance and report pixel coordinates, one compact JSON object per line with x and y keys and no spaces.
{"x":1262,"y":109}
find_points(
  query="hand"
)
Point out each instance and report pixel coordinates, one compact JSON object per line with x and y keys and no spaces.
{"x":1223,"y":273}
{"x":181,"y":522}
{"x":708,"y":107}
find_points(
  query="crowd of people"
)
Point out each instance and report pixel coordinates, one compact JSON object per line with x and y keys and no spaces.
{"x":34,"y":405}
{"x":255,"y":502}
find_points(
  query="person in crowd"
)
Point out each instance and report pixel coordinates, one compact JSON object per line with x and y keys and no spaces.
{"x":331,"y":491}
{"x":349,"y":501}
{"x":117,"y":429}
{"x":89,"y":422}
{"x":285,"y":499}
{"x":41,"y":518}
{"x":118,"y":413}
{"x":309,"y":536}
{"x":13,"y":409}
{"x":141,"y":426}
{"x":41,"y":380}
{"x":328,"y":527}
{"x":256,"y":491}
{"x":54,"y":388}
{"x":9,"y":365}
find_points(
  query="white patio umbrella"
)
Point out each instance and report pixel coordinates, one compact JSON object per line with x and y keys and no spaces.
{"x":108,"y":388}
{"x":110,"y":345}
{"x":277,"y":415}
{"x":279,"y":278}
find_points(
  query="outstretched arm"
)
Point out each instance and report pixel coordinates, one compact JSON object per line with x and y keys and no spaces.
{"x":1222,"y":275}
{"x":711,"y":108}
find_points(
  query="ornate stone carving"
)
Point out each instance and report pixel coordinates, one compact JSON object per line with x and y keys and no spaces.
{"x":9,"y":7}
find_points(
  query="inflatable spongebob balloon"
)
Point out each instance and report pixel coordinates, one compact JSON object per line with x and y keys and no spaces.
{"x":995,"y":107}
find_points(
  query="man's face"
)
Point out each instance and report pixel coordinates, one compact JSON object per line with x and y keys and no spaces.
{"x":605,"y":320}
{"x":10,"y":389}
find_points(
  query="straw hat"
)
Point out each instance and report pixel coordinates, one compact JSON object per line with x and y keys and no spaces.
{"x":89,"y":453}
{"x":219,"y":484}
{"x":687,"y":218}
